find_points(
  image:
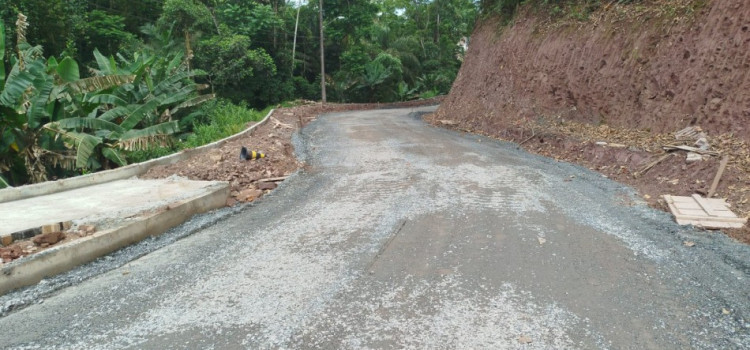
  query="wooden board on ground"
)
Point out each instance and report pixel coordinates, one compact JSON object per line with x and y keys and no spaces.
{"x":710,"y":213}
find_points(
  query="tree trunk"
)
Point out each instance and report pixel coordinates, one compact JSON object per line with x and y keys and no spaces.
{"x":294,"y":45}
{"x":276,"y":13}
{"x":188,"y":50}
{"x":322,"y":57}
{"x":216,"y":23}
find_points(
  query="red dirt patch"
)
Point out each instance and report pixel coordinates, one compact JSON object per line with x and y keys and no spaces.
{"x":42,"y":242}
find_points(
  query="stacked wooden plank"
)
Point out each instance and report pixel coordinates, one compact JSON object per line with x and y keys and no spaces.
{"x":712,"y":213}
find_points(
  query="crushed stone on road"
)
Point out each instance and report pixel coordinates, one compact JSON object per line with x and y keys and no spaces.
{"x":400,"y":235}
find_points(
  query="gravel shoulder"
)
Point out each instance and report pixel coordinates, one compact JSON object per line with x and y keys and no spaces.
{"x":620,"y":153}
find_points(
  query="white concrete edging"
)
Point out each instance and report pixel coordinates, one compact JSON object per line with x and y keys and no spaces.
{"x":33,"y":268}
{"x":128,"y":171}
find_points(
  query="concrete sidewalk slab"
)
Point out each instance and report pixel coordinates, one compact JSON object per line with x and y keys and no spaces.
{"x":124,"y":212}
{"x":106,"y":201}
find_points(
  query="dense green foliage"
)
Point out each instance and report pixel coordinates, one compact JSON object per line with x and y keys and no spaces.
{"x":55,"y":123}
{"x":218,"y":119}
{"x":108,"y":82}
{"x":245,"y":46}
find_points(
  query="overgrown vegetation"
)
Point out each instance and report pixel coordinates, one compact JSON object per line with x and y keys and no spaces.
{"x":581,"y":10}
{"x":218,"y":119}
{"x":55,"y":123}
{"x":224,"y":119}
{"x":111,"y":82}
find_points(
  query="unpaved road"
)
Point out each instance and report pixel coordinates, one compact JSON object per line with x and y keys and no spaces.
{"x":401,"y":235}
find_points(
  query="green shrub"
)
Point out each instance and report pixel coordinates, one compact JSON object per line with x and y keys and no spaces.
{"x":305,"y":89}
{"x":151,"y":153}
{"x":224,"y":119}
{"x":218,"y":119}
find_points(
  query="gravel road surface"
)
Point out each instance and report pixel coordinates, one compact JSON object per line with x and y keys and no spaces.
{"x":401,"y":235}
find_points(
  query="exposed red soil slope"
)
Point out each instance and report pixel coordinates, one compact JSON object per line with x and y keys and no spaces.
{"x":626,"y":67}
{"x":630,"y":75}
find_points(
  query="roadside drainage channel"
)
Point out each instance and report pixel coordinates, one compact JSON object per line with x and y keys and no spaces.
{"x":141,"y":222}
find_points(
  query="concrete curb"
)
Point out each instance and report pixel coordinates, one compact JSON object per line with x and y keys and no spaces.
{"x":128,"y":171}
{"x":33,"y":268}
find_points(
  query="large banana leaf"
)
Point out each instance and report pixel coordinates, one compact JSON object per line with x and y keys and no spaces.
{"x":115,"y":113}
{"x":2,"y":54}
{"x":15,"y":86}
{"x":167,"y":128}
{"x":105,"y":66}
{"x":123,"y":59}
{"x":175,"y":62}
{"x":137,"y":114}
{"x":140,"y":68}
{"x":193,"y":102}
{"x":106,"y":99}
{"x":115,"y":156}
{"x":100,"y":83}
{"x":148,"y":137}
{"x":67,"y":69}
{"x":149,"y":82}
{"x":52,"y":64}
{"x":178,"y":96}
{"x":39,"y":102}
{"x":88,"y":123}
{"x":137,"y":93}
{"x":84,"y":145}
{"x":164,"y":85}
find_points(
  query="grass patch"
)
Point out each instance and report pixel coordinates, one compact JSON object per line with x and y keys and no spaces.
{"x":224,"y":119}
{"x":151,"y":153}
{"x":220,"y":119}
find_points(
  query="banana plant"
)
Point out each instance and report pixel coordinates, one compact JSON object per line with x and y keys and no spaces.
{"x":404,"y":92}
{"x":33,"y":94}
{"x":25,"y":97}
{"x":4,"y":113}
{"x":143,"y":113}
{"x":374,"y":75}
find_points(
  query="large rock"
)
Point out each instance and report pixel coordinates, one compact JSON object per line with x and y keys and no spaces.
{"x":249,"y":195}
{"x":8,"y":254}
{"x":263,"y":186}
{"x":48,"y":238}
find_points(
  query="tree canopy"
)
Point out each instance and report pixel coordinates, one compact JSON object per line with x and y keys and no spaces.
{"x":245,"y":47}
{"x":85,"y":82}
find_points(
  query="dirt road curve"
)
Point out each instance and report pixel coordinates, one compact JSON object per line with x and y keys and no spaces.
{"x":402,"y":235}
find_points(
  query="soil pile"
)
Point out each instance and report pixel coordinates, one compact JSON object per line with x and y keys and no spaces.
{"x":629,"y":76}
